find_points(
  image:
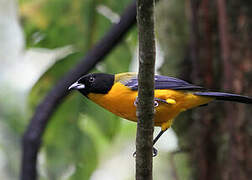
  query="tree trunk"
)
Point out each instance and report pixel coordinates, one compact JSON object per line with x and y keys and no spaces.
{"x":220,"y":142}
{"x":218,"y":136}
{"x":145,"y":108}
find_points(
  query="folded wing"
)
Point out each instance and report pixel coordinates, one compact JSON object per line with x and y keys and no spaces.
{"x":165,"y":82}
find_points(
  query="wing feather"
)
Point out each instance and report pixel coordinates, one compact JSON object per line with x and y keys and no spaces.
{"x":164,"y":82}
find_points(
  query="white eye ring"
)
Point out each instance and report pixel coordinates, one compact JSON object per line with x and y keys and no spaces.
{"x":91,"y":79}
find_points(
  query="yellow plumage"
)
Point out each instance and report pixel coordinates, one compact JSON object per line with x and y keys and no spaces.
{"x":120,"y":101}
{"x":118,"y":94}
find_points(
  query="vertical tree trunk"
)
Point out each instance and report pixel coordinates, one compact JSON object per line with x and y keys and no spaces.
{"x":218,"y":136}
{"x":235,"y":51}
{"x":145,"y":108}
{"x":202,"y":154}
{"x":220,"y":143}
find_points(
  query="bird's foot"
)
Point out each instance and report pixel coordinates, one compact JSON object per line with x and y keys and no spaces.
{"x":136,"y":101}
{"x":155,"y":102}
{"x":154,"y":152}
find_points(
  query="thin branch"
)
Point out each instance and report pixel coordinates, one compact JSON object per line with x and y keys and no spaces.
{"x":145,"y":109}
{"x":32,"y":137}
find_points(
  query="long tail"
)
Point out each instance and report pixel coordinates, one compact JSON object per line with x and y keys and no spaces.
{"x":226,"y":97}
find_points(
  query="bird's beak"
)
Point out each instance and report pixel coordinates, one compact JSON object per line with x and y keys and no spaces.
{"x":76,"y":85}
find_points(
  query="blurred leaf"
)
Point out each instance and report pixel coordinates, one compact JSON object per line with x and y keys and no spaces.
{"x":64,"y":22}
{"x":132,"y":40}
{"x":66,"y":145}
{"x":105,"y":120}
{"x":118,"y":61}
{"x":68,"y":140}
{"x":12,"y":111}
{"x":173,"y":34}
{"x":50,"y":77}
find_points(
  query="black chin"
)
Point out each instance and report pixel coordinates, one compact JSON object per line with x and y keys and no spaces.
{"x":83,"y":92}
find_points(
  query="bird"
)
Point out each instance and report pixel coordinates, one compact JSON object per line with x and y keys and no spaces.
{"x":118,"y":94}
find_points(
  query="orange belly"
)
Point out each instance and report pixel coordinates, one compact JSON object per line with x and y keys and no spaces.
{"x":120,"y":101}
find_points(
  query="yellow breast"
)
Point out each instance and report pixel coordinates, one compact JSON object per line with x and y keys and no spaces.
{"x":120,"y":101}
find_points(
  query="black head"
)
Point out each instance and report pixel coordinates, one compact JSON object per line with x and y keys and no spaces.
{"x":94,"y":83}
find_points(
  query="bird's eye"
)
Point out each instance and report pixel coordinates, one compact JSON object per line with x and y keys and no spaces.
{"x":91,"y":79}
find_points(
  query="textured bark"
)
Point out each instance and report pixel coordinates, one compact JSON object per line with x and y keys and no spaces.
{"x":220,"y":146}
{"x":207,"y":50}
{"x":145,"y":108}
{"x":218,"y":136}
{"x":225,"y":44}
{"x":194,"y":39}
{"x":32,"y":137}
{"x":232,"y":48}
{"x":202,"y":126}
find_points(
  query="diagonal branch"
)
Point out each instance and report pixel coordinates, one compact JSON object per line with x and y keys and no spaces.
{"x":32,"y":137}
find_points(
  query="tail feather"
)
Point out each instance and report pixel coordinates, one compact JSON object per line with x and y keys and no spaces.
{"x":226,"y":97}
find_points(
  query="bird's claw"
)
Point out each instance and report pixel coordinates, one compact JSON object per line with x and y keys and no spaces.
{"x":155,"y":102}
{"x":136,"y":102}
{"x":134,"y":154}
{"x":154,"y":152}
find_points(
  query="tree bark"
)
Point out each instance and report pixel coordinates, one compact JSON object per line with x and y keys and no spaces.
{"x":225,"y":45}
{"x":218,"y":136}
{"x":145,"y":108}
{"x":32,"y":137}
{"x":234,"y":79}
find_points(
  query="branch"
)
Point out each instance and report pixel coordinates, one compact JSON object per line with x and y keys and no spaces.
{"x":145,"y":109}
{"x":32,"y":137}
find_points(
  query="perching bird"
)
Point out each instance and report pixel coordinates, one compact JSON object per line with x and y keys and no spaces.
{"x":118,"y":94}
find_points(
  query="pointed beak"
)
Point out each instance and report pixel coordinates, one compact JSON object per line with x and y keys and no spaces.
{"x":77,"y":86}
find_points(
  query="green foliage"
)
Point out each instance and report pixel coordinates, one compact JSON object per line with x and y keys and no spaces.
{"x":118,"y":61}
{"x":106,"y":122}
{"x":172,"y":34}
{"x":65,"y":144}
{"x":64,"y":22}
{"x":12,"y":125}
{"x":50,"y":78}
{"x":79,"y":129}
